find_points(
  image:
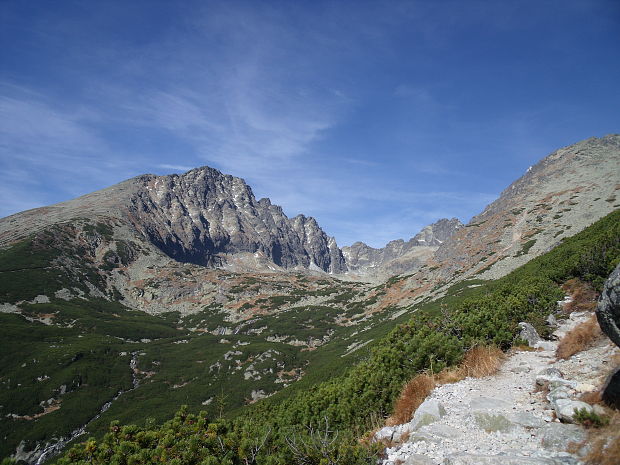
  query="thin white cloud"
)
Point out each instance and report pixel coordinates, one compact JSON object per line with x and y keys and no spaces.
{"x":165,"y":166}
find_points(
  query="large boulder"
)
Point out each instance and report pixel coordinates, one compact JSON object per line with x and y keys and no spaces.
{"x":608,"y":315}
{"x":428,"y":412}
{"x":611,"y":390}
{"x":608,"y":308}
{"x":528,"y":333}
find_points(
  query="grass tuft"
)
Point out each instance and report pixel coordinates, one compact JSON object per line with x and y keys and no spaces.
{"x":411,"y":397}
{"x":604,"y":444}
{"x":482,"y":361}
{"x":583,"y":295}
{"x":579,"y":338}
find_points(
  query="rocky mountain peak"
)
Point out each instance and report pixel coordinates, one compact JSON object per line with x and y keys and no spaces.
{"x":399,"y":256}
{"x":204,"y":217}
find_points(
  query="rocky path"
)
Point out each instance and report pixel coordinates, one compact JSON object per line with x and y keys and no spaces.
{"x":504,"y":419}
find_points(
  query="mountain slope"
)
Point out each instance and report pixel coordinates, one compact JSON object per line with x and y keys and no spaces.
{"x":202,"y":217}
{"x":73,"y":274}
{"x":555,"y":199}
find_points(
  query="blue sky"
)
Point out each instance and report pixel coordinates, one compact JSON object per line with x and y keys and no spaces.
{"x":377,"y":118}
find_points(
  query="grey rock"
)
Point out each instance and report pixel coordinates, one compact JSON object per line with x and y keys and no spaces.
{"x":528,"y":333}
{"x":417,"y":459}
{"x":527,"y":420}
{"x":558,"y":436}
{"x":560,"y":392}
{"x":523,"y":369}
{"x":424,"y":437}
{"x":441,"y":431}
{"x":608,"y":307}
{"x":385,"y":433}
{"x":554,"y":372}
{"x":392,"y":433}
{"x":475,"y":459}
{"x":611,"y":390}
{"x":428,"y":412}
{"x":552,"y":321}
{"x":565,"y":408}
{"x":488,"y":403}
{"x":545,"y":345}
{"x":491,"y":422}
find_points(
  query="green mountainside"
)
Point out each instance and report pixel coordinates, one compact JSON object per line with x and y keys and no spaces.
{"x":184,"y":290}
{"x":84,"y":359}
{"x":321,"y":424}
{"x":65,"y":358}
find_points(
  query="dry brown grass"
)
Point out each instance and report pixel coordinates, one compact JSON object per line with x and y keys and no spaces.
{"x":411,"y":397}
{"x":482,"y":361}
{"x":478,"y":362}
{"x":579,"y":338}
{"x":605,"y":444}
{"x":584,"y":297}
{"x":592,"y":397}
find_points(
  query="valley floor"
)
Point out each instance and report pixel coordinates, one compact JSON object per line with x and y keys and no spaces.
{"x":505,"y":418}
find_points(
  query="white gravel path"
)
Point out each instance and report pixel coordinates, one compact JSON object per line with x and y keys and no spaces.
{"x":502,"y":419}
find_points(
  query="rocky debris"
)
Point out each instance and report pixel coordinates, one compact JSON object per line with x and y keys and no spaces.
{"x":508,"y":418}
{"x":608,"y":308}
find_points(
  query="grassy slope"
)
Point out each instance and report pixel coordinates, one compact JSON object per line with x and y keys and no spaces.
{"x":482,"y":315}
{"x":81,"y":350}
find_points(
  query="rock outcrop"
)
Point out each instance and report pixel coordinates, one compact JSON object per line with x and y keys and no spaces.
{"x":608,"y":315}
{"x":608,"y":307}
{"x":203,"y":217}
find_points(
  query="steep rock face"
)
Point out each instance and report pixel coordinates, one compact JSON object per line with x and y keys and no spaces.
{"x":202,"y":217}
{"x":399,"y":256}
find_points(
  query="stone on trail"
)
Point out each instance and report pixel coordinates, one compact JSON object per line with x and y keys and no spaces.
{"x":565,"y":408}
{"x":428,"y":412}
{"x":472,"y":459}
{"x":527,"y":420}
{"x":528,"y":333}
{"x":488,"y":403}
{"x":558,"y":436}
{"x":492,"y":422}
{"x":417,"y":459}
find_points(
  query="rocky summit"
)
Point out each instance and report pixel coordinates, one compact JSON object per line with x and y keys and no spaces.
{"x":202,"y":217}
{"x":399,"y":256}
